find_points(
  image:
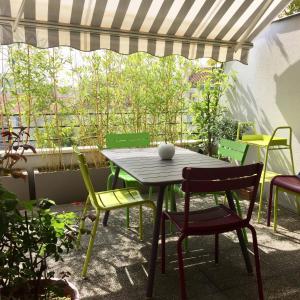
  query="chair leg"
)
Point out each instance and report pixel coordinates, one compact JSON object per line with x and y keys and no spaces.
{"x":298,"y":204}
{"x":141,"y":229}
{"x":239,"y":212}
{"x":109,"y":182}
{"x":275,"y":208}
{"x":127,"y":218}
{"x":262,"y":185}
{"x":127,"y":221}
{"x":239,"y":232}
{"x":166,"y":199}
{"x":172,"y":204}
{"x":244,"y":250}
{"x":237,"y":204}
{"x":173,"y":199}
{"x":270,"y":204}
{"x":216,"y":199}
{"x":186,"y":244}
{"x":91,"y":244}
{"x":216,"y":248}
{"x":163,"y":243}
{"x":82,"y":221}
{"x":174,"y":209}
{"x":257,"y":263}
{"x":181,"y":267}
{"x":150,"y":192}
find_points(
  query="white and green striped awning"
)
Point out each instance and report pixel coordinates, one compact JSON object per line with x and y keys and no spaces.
{"x":220,"y":29}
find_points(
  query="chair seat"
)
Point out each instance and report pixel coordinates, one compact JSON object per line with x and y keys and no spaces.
{"x":117,"y":198}
{"x":288,"y":182}
{"x":215,"y":219}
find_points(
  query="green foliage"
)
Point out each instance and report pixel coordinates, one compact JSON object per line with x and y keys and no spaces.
{"x":35,"y":89}
{"x":68,"y":97}
{"x":130,"y":94}
{"x":209,"y":116}
{"x":16,"y":143}
{"x":30,"y":234}
{"x":225,"y":127}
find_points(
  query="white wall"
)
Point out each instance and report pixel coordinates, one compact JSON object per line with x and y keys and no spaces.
{"x":268,"y":88}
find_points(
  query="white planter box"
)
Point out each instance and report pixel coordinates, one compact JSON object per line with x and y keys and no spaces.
{"x":17,"y":186}
{"x":68,"y":186}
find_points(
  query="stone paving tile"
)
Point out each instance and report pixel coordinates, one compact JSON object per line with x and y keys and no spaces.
{"x":118,"y":269}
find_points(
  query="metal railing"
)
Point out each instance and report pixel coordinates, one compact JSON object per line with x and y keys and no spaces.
{"x":181,"y":121}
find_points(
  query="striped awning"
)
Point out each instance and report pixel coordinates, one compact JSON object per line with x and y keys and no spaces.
{"x":220,"y":29}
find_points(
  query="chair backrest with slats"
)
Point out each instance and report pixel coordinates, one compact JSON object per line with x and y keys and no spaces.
{"x":233,"y":150}
{"x":209,"y":180}
{"x":127,"y":140}
{"x":87,"y":179}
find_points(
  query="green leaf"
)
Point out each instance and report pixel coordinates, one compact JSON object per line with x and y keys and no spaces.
{"x":27,"y":204}
{"x":3,"y":224}
{"x":45,"y":203}
{"x":50,"y":248}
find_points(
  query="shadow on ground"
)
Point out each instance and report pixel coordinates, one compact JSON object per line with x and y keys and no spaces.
{"x":118,"y":269}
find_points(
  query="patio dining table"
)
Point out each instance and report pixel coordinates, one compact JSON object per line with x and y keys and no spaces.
{"x":145,"y":165}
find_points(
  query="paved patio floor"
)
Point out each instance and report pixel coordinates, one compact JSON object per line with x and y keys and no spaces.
{"x":118,"y":269}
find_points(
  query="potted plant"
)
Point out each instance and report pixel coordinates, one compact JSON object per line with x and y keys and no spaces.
{"x":31,"y":234}
{"x":16,"y":143}
{"x":210,"y":117}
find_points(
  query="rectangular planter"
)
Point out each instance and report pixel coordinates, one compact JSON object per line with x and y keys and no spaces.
{"x":68,"y":186}
{"x":17,"y":186}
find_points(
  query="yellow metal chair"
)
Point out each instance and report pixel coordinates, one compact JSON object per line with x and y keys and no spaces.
{"x":104,"y":201}
{"x":289,"y":184}
{"x":270,"y":143}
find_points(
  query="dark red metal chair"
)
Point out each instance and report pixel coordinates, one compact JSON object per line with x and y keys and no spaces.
{"x":286,"y":184}
{"x":218,"y":219}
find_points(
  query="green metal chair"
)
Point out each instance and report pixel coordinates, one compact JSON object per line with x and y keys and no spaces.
{"x":234,"y":151}
{"x":106,"y":201}
{"x":126,"y":140}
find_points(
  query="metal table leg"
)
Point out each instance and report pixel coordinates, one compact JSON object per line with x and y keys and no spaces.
{"x":156,"y":231}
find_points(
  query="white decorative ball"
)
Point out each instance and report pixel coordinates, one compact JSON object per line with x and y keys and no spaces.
{"x":166,"y":151}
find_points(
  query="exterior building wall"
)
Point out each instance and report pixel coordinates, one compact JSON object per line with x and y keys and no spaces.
{"x":268,"y":88}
